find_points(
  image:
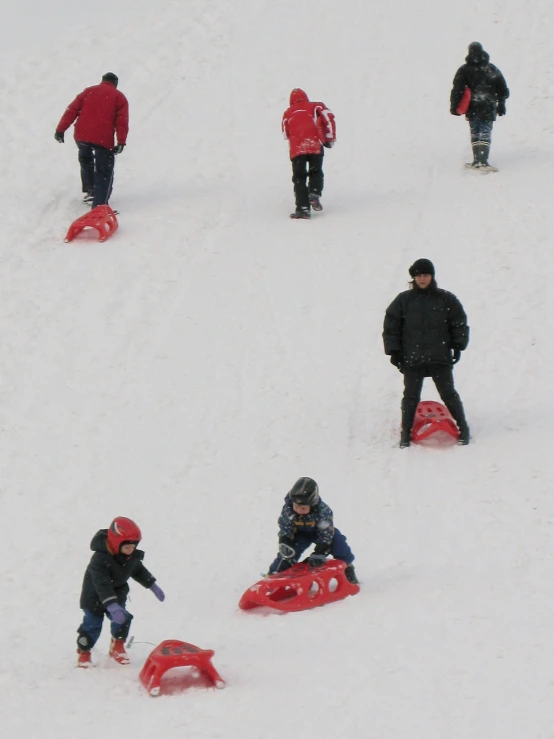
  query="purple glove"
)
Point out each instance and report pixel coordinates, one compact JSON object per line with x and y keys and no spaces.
{"x":158,"y":592}
{"x":118,"y":614}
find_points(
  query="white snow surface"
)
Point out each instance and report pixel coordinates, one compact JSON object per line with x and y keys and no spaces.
{"x":187,"y":371}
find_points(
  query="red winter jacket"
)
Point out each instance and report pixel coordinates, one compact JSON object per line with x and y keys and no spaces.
{"x":307,"y":125}
{"x":100,"y":111}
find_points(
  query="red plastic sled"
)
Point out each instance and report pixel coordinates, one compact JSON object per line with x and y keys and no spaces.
{"x":301,"y":587}
{"x":463,"y":105}
{"x":102,"y":218}
{"x":173,"y":653}
{"x":430,"y":418}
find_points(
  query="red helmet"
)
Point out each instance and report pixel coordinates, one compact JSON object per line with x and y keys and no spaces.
{"x":122,"y":531}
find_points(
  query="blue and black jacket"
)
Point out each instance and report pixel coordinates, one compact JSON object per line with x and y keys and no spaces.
{"x":317,"y":525}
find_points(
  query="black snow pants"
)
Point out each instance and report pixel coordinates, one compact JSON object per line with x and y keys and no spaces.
{"x":97,"y":165}
{"x":444,"y":381}
{"x":307,"y":177}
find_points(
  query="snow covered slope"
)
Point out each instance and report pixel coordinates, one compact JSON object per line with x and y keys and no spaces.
{"x":187,"y":371}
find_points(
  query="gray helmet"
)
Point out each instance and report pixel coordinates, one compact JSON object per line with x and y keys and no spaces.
{"x":305,"y":492}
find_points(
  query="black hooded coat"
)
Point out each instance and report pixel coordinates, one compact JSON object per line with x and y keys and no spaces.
{"x":486,"y":82}
{"x":106,"y":576}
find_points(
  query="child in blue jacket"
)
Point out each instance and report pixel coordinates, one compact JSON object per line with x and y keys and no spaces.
{"x":306,"y":520}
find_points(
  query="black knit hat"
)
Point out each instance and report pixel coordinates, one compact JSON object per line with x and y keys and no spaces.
{"x":110,"y":77}
{"x":422,"y":267}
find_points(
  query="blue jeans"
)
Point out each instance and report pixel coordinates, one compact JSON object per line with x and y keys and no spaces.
{"x":89,"y":631}
{"x":339,"y":550}
{"x":481,"y":131}
{"x":97,"y":165}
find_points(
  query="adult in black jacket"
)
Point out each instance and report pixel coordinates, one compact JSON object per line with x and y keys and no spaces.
{"x":488,"y":99}
{"x":105,"y":589}
{"x":424,"y":333}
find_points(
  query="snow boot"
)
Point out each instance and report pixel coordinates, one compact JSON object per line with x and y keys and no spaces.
{"x":480,"y":154}
{"x":315,"y":202}
{"x":83,"y":658}
{"x":405,"y":438}
{"x":463,"y":438}
{"x":117,"y":651}
{"x":350,"y":574}
{"x":88,"y":197}
{"x":456,"y":408}
{"x":301,"y":213}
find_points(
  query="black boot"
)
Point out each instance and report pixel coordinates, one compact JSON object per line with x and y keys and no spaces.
{"x":315,"y":201}
{"x":405,"y":438}
{"x":456,"y":408}
{"x":480,"y":154}
{"x":463,"y":438}
{"x":409,"y":408}
{"x":350,"y":574}
{"x":301,"y":213}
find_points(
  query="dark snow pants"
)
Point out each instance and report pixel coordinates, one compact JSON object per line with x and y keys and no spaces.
{"x":480,"y":131}
{"x":339,"y":550}
{"x":89,"y":631}
{"x":97,"y":166}
{"x":444,"y":381}
{"x":307,"y":177}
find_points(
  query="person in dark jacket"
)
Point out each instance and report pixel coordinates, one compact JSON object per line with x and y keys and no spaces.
{"x":425,"y":331}
{"x":101,"y":113}
{"x":305,"y":520}
{"x":105,"y":589}
{"x":489,"y":93}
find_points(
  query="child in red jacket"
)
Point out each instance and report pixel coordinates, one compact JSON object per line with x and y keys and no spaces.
{"x":308,"y":127}
{"x":100,"y":114}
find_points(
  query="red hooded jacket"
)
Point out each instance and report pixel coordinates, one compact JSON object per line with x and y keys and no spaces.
{"x":307,"y":126}
{"x":101,"y":111}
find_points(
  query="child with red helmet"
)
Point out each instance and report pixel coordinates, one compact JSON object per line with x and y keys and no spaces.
{"x":105,"y":589}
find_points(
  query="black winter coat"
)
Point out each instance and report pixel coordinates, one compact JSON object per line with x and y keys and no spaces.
{"x":106,"y":576}
{"x":424,"y":325}
{"x":487,"y":84}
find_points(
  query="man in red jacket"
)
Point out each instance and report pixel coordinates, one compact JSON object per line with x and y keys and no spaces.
{"x":308,"y":127}
{"x":100,"y":112}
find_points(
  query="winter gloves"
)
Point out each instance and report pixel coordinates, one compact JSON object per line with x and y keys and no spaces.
{"x":456,"y":356}
{"x":501,"y":107}
{"x":286,"y":550}
{"x":158,"y":592}
{"x":120,"y":616}
{"x":59,"y":136}
{"x":396,"y":360}
{"x":117,"y":613}
{"x":316,"y":560}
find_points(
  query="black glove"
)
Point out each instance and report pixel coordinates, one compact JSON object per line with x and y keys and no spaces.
{"x":453,"y":111}
{"x":329,"y":144}
{"x":396,"y":359}
{"x":501,"y":107}
{"x":118,"y":149}
{"x":316,"y":560}
{"x":286,"y":550}
{"x":456,"y":355}
{"x":59,"y":137}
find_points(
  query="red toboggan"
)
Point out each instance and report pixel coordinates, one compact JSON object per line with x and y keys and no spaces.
{"x":102,"y":219}
{"x":173,"y":653}
{"x":431,"y":418}
{"x":300,"y":587}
